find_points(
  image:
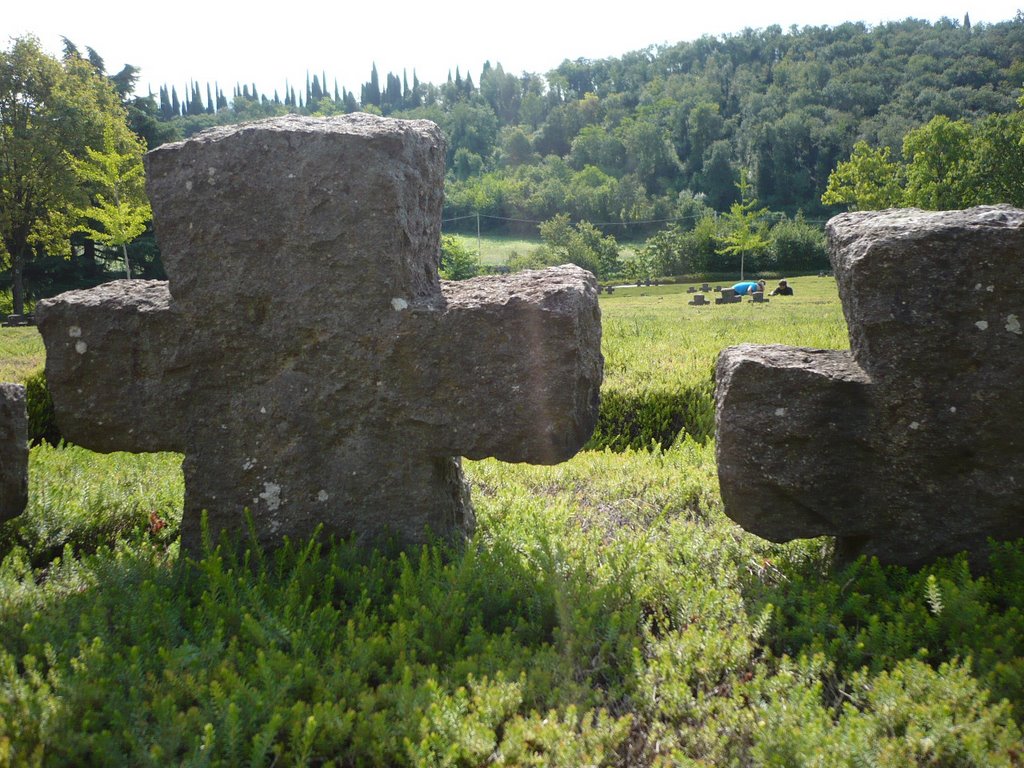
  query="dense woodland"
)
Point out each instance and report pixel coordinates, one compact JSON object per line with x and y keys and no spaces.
{"x":634,"y":138}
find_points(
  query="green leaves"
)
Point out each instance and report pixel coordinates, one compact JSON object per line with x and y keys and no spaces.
{"x":868,"y":181}
{"x":947,"y":164}
{"x":115,"y":174}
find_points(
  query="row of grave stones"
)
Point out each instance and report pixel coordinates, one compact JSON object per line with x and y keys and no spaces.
{"x":728,"y":296}
{"x":17,"y":321}
{"x":352,"y":412}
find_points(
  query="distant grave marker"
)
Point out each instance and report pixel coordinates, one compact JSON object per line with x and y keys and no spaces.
{"x":910,"y":446}
{"x":304,"y":355}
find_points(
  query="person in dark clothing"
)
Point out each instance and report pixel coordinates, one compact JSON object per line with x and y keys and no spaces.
{"x":783,"y":289}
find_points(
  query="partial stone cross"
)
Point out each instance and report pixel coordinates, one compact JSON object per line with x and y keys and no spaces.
{"x":911,"y":445}
{"x":304,"y":355}
{"x":13,"y":451}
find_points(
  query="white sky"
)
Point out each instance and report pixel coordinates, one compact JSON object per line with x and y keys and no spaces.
{"x":246,"y":43}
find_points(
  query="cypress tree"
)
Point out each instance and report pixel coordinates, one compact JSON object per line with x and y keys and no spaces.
{"x":175,"y":104}
{"x":165,"y":104}
{"x":210,"y":108}
{"x":351,"y":105}
{"x":195,"y":103}
{"x":373,"y":92}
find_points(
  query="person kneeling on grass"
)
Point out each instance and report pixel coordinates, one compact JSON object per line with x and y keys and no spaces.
{"x":782,"y":290}
{"x":746,"y":287}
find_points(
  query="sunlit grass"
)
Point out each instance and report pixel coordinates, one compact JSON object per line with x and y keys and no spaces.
{"x":21,"y":352}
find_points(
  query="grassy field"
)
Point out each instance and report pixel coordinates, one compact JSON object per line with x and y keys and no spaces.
{"x":660,"y":353}
{"x":606,"y":612}
{"x":496,"y":250}
{"x":21,"y":352}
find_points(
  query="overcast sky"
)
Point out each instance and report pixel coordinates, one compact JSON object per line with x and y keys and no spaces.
{"x":264,"y":44}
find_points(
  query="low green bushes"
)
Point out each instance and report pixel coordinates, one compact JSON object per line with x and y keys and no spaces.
{"x":42,"y":421}
{"x":654,"y":417}
{"x":605,"y":612}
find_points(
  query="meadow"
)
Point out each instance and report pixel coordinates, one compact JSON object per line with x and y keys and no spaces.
{"x":496,"y":250}
{"x":605,"y":612}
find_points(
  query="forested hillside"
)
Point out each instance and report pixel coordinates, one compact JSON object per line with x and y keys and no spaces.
{"x":634,"y":138}
{"x":644,"y":148}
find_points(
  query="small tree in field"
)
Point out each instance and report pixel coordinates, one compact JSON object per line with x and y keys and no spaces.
{"x":581,"y":244}
{"x":457,"y":261}
{"x":120,"y":209}
{"x":744,"y":234}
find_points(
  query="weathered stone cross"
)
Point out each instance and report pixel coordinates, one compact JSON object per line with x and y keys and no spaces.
{"x":304,"y":356}
{"x":910,"y":446}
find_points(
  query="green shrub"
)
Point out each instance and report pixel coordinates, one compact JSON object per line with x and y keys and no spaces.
{"x":797,"y":246}
{"x":640,"y":420}
{"x":42,"y":422}
{"x":873,"y":616}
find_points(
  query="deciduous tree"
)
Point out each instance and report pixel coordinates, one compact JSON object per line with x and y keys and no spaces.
{"x":48,"y":110}
{"x":868,"y":181}
{"x":745,"y":235}
{"x":119,"y":211}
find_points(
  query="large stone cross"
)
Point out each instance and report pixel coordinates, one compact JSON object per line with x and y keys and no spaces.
{"x":304,"y":355}
{"x":911,"y":445}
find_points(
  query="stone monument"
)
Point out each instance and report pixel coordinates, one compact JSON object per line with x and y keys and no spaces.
{"x":304,"y":355}
{"x":13,"y":451}
{"x":910,"y":445}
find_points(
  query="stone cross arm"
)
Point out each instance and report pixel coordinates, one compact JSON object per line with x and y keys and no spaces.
{"x":117,"y":366}
{"x":506,"y":367}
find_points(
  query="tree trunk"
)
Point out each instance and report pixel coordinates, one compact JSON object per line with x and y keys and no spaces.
{"x":127,"y":267}
{"x":17,"y":285}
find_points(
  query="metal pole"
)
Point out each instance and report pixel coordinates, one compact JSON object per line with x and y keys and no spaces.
{"x":479,"y":252}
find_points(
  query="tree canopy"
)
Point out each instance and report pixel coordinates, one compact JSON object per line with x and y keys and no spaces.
{"x":615,"y":141}
{"x":50,"y":111}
